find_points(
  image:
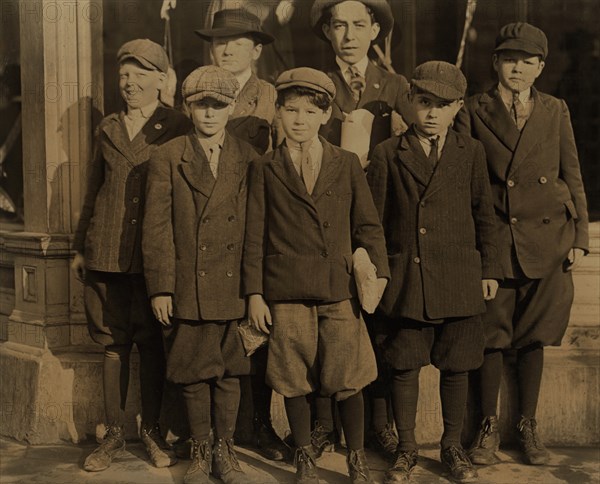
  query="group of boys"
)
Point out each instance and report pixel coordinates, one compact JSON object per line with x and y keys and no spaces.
{"x":474,"y":231}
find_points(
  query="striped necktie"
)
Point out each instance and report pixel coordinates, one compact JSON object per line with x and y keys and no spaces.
{"x":357,"y":83}
{"x":518,"y":111}
{"x":307,"y":168}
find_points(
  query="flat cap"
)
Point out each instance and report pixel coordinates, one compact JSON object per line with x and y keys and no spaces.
{"x":441,"y":79}
{"x":235,"y":21}
{"x":319,"y":14}
{"x":149,"y":54}
{"x":524,"y":37}
{"x":306,"y":77}
{"x":210,"y":81}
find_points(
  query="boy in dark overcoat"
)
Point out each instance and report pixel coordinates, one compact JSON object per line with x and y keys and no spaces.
{"x":432,"y":192}
{"x":109,"y":253}
{"x":192,"y":244}
{"x":309,"y":208}
{"x":351,"y":27}
{"x":542,"y":220}
{"x":236,"y":41}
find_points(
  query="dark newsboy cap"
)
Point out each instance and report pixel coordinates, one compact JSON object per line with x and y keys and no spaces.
{"x":235,"y":21}
{"x":524,"y":37}
{"x":149,"y":54}
{"x":441,"y":79}
{"x":306,"y":77}
{"x":380,"y":8}
{"x":210,"y":81}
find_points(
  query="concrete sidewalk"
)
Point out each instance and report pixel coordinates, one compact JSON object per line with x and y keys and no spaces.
{"x":61,"y":464}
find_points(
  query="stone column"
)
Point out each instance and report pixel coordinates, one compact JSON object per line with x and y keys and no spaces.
{"x":61,"y":59}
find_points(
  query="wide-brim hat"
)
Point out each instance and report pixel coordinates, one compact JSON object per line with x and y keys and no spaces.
{"x":235,"y":21}
{"x":381,"y":9}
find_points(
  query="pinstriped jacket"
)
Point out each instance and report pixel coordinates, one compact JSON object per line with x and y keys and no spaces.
{"x":109,"y":229}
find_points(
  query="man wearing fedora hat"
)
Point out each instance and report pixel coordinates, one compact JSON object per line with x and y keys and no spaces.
{"x":236,"y":41}
{"x":351,"y":27}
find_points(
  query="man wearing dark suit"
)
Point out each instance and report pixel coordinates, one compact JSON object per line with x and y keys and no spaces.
{"x":351,"y":28}
{"x":542,"y":220}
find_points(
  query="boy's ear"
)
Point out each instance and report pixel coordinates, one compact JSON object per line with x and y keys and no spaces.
{"x":495,"y":60}
{"x":161,"y":80}
{"x":375,"y":29}
{"x":326,"y":31}
{"x":256,"y":51}
{"x":231,"y":107}
{"x":326,"y":116}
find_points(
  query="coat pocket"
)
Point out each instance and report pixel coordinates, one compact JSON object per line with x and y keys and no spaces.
{"x":570,"y":206}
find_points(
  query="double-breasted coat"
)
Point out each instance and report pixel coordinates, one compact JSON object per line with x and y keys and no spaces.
{"x":384,"y":94}
{"x":439,"y":227}
{"x":194,"y":228}
{"x":253,"y":114}
{"x":299,"y":246}
{"x":110,"y":224}
{"x":539,"y":199}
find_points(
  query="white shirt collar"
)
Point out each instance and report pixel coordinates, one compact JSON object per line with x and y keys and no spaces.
{"x":143,"y":112}
{"x":507,"y":95}
{"x":293,"y":145}
{"x":361,"y":65}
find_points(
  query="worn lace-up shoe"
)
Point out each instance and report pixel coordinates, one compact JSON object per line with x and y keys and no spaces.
{"x":458,"y":463}
{"x":111,"y":447}
{"x":404,"y":463}
{"x":322,"y":440}
{"x":534,"y":451}
{"x":358,"y":467}
{"x":385,"y":442}
{"x":306,"y":467}
{"x":268,"y":442}
{"x":161,"y":454}
{"x":199,"y":470}
{"x":486,"y":443}
{"x":225,"y":463}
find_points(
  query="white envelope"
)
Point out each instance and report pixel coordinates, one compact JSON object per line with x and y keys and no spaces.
{"x":365,"y":276}
{"x":356,"y":133}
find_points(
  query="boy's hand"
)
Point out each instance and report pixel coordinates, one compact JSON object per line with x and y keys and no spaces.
{"x":574,"y":258}
{"x":78,"y":267}
{"x":258,"y":313}
{"x":490,"y":288}
{"x":162,"y":307}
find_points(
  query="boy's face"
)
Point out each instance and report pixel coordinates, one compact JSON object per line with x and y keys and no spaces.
{"x":138,"y":86}
{"x":351,"y":31}
{"x":301,"y":119}
{"x":434,"y":115}
{"x":517,"y":70}
{"x":210,"y":115}
{"x":235,"y":54}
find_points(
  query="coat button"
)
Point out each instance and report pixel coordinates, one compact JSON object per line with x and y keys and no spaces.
{"x":205,"y":220}
{"x":328,"y":193}
{"x":202,"y":247}
{"x":133,"y":221}
{"x":543,"y":180}
{"x":231,"y":218}
{"x":417,"y":260}
{"x":201,"y":273}
{"x":325,"y":254}
{"x":510,"y":183}
{"x":229,"y":274}
{"x":326,"y":225}
{"x":514,"y":220}
{"x":422,"y":230}
{"x":546,"y":220}
{"x":230,"y":246}
{"x":135,"y":200}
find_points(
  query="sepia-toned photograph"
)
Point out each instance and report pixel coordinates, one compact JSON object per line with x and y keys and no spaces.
{"x":299,"y":241}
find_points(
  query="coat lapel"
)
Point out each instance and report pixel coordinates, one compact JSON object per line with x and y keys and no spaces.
{"x":195,"y":166}
{"x":415,"y":163}
{"x":343,"y":96}
{"x":117,"y":134}
{"x":374,"y":85}
{"x":283,"y":167}
{"x":246,"y":102}
{"x":228,"y":173}
{"x":530,"y":133}
{"x":449,"y":162}
{"x":330,"y":167}
{"x":494,"y":114}
{"x":154,"y":128}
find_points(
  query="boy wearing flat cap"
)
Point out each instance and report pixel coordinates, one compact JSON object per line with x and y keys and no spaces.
{"x":309,"y":208}
{"x":431,"y":190}
{"x":108,"y":245}
{"x":192,"y":245}
{"x":236,"y":41}
{"x":542,"y":220}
